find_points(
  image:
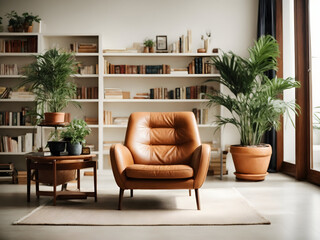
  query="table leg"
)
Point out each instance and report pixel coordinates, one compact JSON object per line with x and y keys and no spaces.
{"x":95,"y":181}
{"x":28,"y":178}
{"x":37,"y":182}
{"x":54,"y":168}
{"x":78,"y":179}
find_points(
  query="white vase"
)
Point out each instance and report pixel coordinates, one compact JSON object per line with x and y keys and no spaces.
{"x":206,"y":44}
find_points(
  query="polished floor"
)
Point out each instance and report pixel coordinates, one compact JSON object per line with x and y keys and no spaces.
{"x":293,"y":208}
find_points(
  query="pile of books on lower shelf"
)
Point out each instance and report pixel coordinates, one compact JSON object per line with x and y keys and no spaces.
{"x":22,"y":143}
{"x":113,"y":93}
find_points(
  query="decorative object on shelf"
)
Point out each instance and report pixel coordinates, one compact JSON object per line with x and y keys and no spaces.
{"x":255,"y":104}
{"x":161,"y":44}
{"x":75,"y":134}
{"x":28,"y":21}
{"x":15,"y":22}
{"x":148,"y":46}
{"x":85,"y":150}
{"x":201,"y":50}
{"x":206,"y":40}
{"x":1,"y":27}
{"x":48,"y":77}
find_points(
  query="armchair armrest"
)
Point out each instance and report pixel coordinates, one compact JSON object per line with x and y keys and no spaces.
{"x":120,"y":157}
{"x":200,"y":164}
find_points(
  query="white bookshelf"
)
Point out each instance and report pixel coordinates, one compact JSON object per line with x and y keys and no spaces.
{"x":127,"y":82}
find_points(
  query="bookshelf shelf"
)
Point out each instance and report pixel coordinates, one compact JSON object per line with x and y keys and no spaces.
{"x":13,"y":153}
{"x":86,"y":54}
{"x":85,"y":75}
{"x":119,"y":54}
{"x":18,"y":54}
{"x":161,"y":75}
{"x":12,"y":76}
{"x":16,"y":100}
{"x":86,"y":100}
{"x":17,"y":127}
{"x":155,"y":100}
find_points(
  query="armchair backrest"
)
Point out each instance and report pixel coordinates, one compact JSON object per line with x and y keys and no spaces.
{"x":162,"y":137}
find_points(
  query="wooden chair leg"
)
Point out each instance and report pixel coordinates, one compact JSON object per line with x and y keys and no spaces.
{"x":120,"y":198}
{"x":131,"y":192}
{"x":197,"y":198}
{"x":189,"y":192}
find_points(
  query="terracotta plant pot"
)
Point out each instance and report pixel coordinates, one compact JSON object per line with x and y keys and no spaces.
{"x":54,"y":117}
{"x":151,"y":49}
{"x":145,"y":49}
{"x":10,"y":29}
{"x":251,"y":162}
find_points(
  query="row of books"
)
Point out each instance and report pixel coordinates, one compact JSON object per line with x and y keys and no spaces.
{"x":15,"y":118}
{"x":88,"y":69}
{"x":22,"y":143}
{"x":201,"y":65}
{"x":24,"y":45}
{"x":9,"y":69}
{"x":84,"y":47}
{"x":136,"y":69}
{"x":201,"y":115}
{"x":87,"y":92}
{"x":192,"y":92}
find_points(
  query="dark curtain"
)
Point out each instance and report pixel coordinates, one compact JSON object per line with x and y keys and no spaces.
{"x":267,"y":26}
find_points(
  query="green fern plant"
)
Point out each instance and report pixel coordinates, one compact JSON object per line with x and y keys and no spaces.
{"x":48,"y":78}
{"x":254,"y":103}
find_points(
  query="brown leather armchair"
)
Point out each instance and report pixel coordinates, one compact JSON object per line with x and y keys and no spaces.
{"x":161,"y":151}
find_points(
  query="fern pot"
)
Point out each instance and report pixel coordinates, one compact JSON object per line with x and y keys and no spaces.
{"x":251,"y":162}
{"x":56,"y":147}
{"x":74,"y":148}
{"x":54,"y":117}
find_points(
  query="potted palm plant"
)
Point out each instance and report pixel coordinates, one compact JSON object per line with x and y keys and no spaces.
{"x":49,"y":80}
{"x":74,"y":134}
{"x":255,"y":104}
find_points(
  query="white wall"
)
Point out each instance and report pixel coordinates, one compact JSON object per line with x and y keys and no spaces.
{"x":233,"y":23}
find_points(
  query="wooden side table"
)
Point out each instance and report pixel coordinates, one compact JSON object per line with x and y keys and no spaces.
{"x":56,"y":163}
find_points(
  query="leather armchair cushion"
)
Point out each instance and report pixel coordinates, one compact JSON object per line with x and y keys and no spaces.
{"x":143,"y":171}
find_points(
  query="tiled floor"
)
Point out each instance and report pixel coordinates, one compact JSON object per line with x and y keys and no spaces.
{"x":292,"y":207}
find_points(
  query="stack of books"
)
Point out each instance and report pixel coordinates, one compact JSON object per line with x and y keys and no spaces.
{"x":113,"y":93}
{"x":22,"y":95}
{"x":215,"y":163}
{"x":120,"y":121}
{"x":84,"y":47}
{"x":17,"y":144}
{"x":88,"y":69}
{"x":91,"y":120}
{"x":9,"y":69}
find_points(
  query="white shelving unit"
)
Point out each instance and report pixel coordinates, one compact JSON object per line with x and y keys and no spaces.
{"x":127,"y":82}
{"x":136,"y":83}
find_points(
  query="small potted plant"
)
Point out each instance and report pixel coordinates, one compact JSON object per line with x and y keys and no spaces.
{"x":148,"y":46}
{"x":1,"y":27}
{"x":74,"y":134}
{"x":49,"y":80}
{"x":254,"y":103}
{"x":15,"y":22}
{"x":28,"y":21}
{"x":55,"y":143}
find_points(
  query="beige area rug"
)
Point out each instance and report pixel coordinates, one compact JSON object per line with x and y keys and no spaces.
{"x":221,"y":206}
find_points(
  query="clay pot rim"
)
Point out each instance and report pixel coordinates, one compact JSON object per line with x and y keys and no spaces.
{"x":261,"y":145}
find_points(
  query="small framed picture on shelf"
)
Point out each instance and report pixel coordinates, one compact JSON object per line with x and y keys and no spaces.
{"x":161,"y":43}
